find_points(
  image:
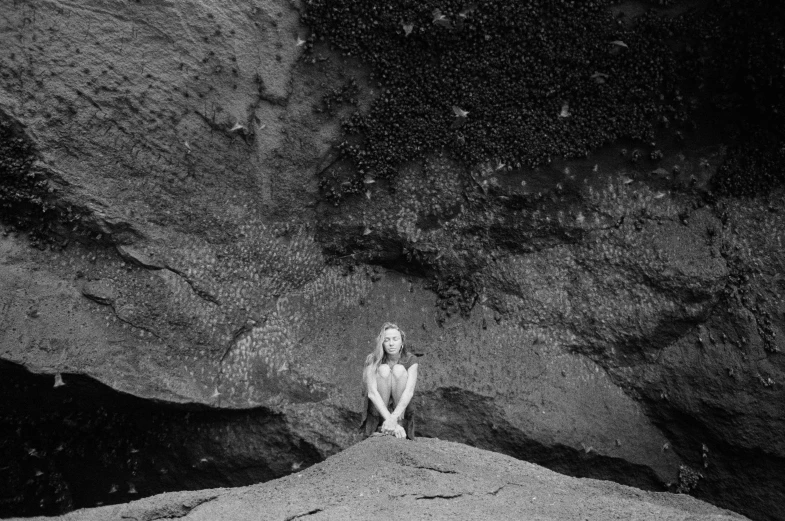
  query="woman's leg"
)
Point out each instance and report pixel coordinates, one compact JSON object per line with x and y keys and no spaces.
{"x":384,"y":383}
{"x":399,"y":378}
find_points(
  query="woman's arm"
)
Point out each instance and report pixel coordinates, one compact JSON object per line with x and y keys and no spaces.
{"x":373,"y":393}
{"x":408,"y":392}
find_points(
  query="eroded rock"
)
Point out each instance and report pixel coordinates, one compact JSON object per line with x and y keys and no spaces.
{"x":589,"y":317}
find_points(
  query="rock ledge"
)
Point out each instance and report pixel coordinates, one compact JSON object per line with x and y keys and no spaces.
{"x":384,"y":477}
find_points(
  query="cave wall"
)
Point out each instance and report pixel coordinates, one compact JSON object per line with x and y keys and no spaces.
{"x":606,"y":317}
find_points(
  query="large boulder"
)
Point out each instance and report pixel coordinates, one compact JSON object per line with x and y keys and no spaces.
{"x":383,"y":477}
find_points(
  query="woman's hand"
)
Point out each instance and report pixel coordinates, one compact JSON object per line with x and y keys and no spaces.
{"x":390,"y":425}
{"x":400,"y":432}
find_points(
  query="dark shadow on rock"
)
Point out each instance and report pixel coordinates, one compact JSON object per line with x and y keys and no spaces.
{"x":732,"y":476}
{"x":69,"y":442}
{"x":475,"y":420}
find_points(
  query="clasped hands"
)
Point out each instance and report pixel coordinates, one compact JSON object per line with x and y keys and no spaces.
{"x":390,"y":426}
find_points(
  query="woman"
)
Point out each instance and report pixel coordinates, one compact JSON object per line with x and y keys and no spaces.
{"x":389,"y":379}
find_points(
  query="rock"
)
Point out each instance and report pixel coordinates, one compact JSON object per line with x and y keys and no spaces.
{"x":595,"y":288}
{"x":136,"y":256}
{"x":100,"y":291}
{"x":383,"y":477}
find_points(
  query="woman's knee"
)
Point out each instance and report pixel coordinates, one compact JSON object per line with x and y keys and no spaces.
{"x":383,"y":371}
{"x":399,"y":371}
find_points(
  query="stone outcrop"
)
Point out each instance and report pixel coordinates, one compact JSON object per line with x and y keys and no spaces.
{"x":591,"y":316}
{"x":383,"y":477}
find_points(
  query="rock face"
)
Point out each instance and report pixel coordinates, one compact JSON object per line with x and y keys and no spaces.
{"x":587,"y":315}
{"x":429,"y":478}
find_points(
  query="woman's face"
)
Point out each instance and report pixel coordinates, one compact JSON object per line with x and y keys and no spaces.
{"x":392,"y":341}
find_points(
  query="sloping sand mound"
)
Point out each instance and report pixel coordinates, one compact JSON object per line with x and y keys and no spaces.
{"x":385,"y":478}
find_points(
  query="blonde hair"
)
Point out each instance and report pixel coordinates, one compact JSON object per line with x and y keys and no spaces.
{"x":377,"y":356}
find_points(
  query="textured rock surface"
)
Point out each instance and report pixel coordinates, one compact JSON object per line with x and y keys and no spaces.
{"x":431,"y":478}
{"x":599,"y":319}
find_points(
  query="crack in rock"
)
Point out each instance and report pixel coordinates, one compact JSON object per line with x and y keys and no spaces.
{"x":100,"y":292}
{"x":443,"y":471}
{"x":303,"y":514}
{"x":440,"y":496}
{"x":132,"y":324}
{"x":139,"y":258}
{"x":170,"y":511}
{"x":496,"y":492}
{"x":205,"y":295}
